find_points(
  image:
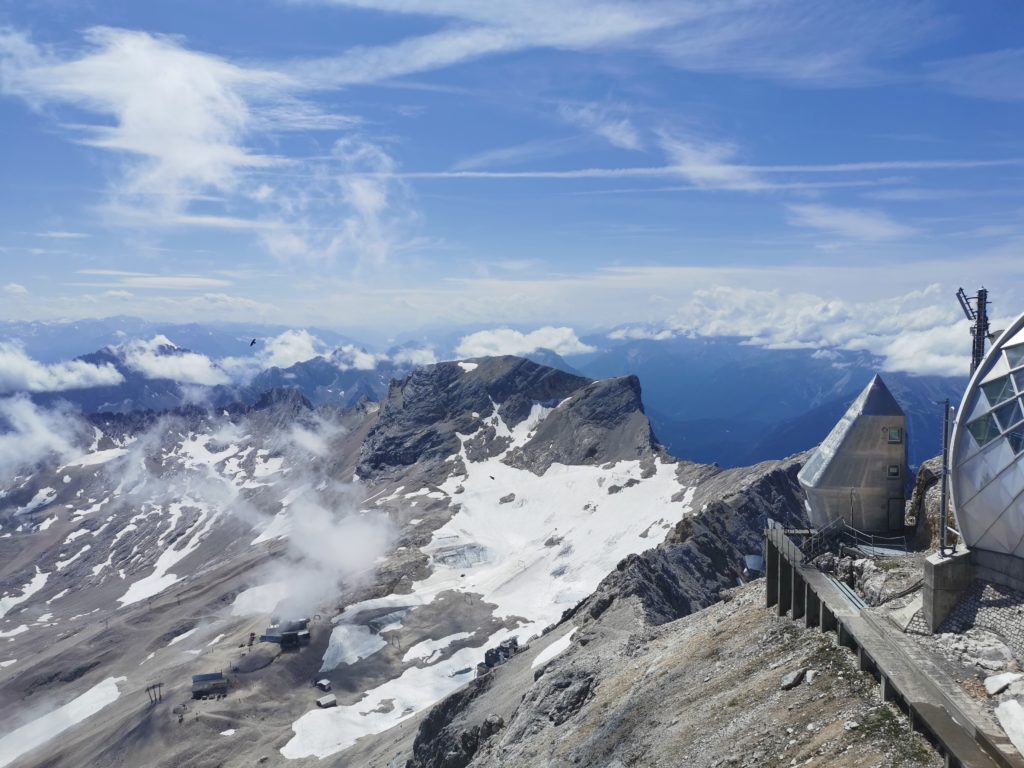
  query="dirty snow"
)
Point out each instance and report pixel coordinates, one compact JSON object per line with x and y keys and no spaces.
{"x":350,"y":643}
{"x":182,"y":636}
{"x":37,"y":583}
{"x":43,"y":497}
{"x":43,"y":729}
{"x":12,"y":633}
{"x":96,"y":457}
{"x":531,"y":558}
{"x":560,"y":646}
{"x":427,"y":650}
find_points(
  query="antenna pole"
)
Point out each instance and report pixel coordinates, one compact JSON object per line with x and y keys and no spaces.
{"x":943,"y":537}
{"x":980,"y":330}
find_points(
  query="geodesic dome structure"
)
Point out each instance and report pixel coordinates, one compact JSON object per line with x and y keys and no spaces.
{"x":987,"y":450}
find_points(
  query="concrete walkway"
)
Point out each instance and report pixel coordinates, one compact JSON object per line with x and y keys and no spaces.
{"x":910,"y":677}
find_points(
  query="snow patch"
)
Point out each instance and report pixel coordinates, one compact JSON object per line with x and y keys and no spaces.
{"x":557,"y":648}
{"x":45,"y":728}
{"x":349,"y":644}
{"x":9,"y":601}
{"x":182,"y":636}
{"x":467,"y":367}
{"x":429,"y":650}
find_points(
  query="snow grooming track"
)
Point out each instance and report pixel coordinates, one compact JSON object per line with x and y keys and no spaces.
{"x":532,"y":557}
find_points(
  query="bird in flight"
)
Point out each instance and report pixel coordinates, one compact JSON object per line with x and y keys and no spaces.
{"x":252,"y":343}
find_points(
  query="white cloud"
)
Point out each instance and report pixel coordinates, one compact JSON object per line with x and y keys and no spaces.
{"x":184,"y":132}
{"x":609,"y":121}
{"x":291,"y":347}
{"x":637,"y":332}
{"x":62,"y":235}
{"x":15,"y":289}
{"x":913,"y":333}
{"x":854,"y":223}
{"x":114,"y":277}
{"x":506,"y":341}
{"x":29,"y":434}
{"x":707,"y":164}
{"x":349,"y":357}
{"x":160,"y":358}
{"x":359,"y":193}
{"x":20,"y":373}
{"x":414,"y":357}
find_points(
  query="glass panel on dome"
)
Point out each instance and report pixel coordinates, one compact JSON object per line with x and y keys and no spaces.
{"x":984,"y":429}
{"x":1015,"y":355}
{"x":1018,"y":378}
{"x":1016,"y":440}
{"x":998,"y":391}
{"x":1009,"y":415}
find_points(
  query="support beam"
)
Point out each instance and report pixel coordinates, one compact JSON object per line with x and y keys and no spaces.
{"x":771,"y":592}
{"x":799,"y":591}
{"x":785,"y":588}
{"x":828,"y":619}
{"x":812,"y":607}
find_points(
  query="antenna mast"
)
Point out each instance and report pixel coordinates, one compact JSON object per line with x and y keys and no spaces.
{"x":978,"y":315}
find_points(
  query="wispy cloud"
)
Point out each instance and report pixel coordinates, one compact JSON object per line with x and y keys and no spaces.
{"x":15,"y":289}
{"x":185,"y":132}
{"x":795,"y":40}
{"x":62,"y":235}
{"x":854,"y":223}
{"x":709,"y":159}
{"x":515,"y":154}
{"x":996,"y":75}
{"x":609,"y":121}
{"x":145,"y":280}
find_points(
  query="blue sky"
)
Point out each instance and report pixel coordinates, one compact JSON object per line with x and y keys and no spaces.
{"x":800,"y":173}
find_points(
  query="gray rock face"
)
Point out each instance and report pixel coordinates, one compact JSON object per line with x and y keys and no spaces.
{"x":555,"y":704}
{"x":602,"y":422}
{"x":703,"y":555}
{"x":793,"y":679}
{"x":418,"y":420}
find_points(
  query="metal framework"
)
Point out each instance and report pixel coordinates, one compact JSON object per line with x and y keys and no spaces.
{"x":978,"y":315}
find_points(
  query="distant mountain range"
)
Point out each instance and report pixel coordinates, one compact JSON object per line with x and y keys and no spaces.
{"x":714,"y":400}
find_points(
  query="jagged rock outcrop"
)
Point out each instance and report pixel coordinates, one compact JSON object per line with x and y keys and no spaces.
{"x":602,"y":422}
{"x":422,"y":413}
{"x":700,"y":559}
{"x":703,"y":554}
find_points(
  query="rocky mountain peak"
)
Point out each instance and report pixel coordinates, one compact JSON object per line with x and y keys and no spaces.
{"x":423,"y":414}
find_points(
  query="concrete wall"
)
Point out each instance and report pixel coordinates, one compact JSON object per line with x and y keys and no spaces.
{"x":999,"y":568}
{"x":945,"y":580}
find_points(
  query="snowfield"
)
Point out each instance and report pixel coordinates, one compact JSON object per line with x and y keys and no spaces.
{"x":42,"y":729}
{"x":532,"y":557}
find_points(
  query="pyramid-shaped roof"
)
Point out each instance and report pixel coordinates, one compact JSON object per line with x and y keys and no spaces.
{"x":874,"y":400}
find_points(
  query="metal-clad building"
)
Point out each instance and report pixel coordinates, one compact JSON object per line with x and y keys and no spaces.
{"x":858,"y":473}
{"x":987,"y":450}
{"x":209,"y":684}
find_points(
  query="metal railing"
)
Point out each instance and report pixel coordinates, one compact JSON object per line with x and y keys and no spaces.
{"x":839,"y":532}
